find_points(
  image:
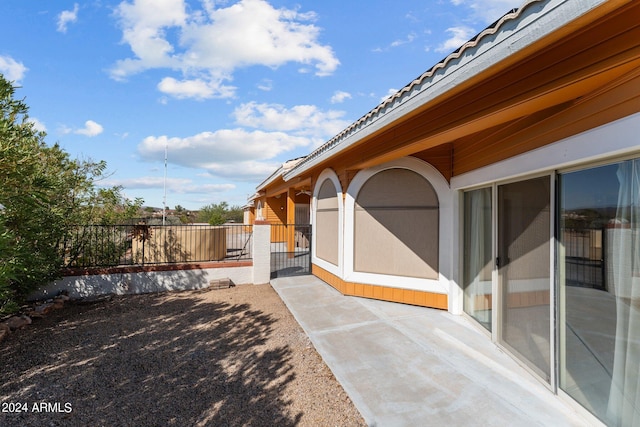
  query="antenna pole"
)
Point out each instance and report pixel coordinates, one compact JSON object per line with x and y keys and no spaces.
{"x":164,"y":198}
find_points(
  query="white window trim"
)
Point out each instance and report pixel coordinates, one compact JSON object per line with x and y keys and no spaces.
{"x":325,"y":265}
{"x":441,"y":187}
{"x":259,"y":214}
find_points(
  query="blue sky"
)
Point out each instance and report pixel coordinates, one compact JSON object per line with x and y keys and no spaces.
{"x":230,"y":88}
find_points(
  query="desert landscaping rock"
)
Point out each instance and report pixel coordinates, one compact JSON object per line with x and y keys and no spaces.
{"x":43,"y":309}
{"x":228,"y":357}
{"x":4,"y":331}
{"x":18,"y":322}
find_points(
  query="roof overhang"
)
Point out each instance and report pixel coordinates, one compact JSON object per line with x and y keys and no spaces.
{"x":284,"y":168}
{"x":513,"y":37}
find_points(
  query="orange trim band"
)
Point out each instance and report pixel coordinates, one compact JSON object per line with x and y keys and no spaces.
{"x":384,"y":293}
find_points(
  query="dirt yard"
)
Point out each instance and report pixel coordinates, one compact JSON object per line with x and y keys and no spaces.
{"x":230,"y":357}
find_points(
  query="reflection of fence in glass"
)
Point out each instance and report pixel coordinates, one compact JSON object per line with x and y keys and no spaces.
{"x":584,"y":258}
{"x":112,"y":245}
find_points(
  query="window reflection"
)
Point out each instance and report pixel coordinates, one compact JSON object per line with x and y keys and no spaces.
{"x":600,"y":290}
{"x":477,"y":255}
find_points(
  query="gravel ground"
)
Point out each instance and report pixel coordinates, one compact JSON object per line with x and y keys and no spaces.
{"x":230,"y":357}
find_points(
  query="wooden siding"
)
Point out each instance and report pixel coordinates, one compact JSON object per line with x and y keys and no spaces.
{"x":275,"y":210}
{"x":440,"y":157}
{"x":576,"y":80}
{"x":385,"y":293}
{"x":622,"y":98}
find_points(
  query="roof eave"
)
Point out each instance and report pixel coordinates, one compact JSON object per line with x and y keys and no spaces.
{"x":514,"y":32}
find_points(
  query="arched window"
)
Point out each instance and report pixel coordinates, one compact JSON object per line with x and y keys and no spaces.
{"x":327,"y":223}
{"x":259,"y":215}
{"x":396,"y":225}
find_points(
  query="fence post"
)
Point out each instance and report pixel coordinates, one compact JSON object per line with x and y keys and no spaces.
{"x":261,"y":252}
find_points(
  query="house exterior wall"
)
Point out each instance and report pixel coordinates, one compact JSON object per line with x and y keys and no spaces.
{"x":566,"y":87}
{"x":340,"y":270}
{"x":569,"y":99}
{"x":578,"y":153}
{"x":249,"y":215}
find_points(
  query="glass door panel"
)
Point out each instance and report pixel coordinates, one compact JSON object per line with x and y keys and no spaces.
{"x":524,"y":222}
{"x":478,"y":258}
{"x":599,"y":253}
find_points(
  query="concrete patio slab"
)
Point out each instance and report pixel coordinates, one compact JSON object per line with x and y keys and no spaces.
{"x":406,"y":366}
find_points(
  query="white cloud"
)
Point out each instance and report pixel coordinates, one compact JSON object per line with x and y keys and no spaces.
{"x":197,"y":89}
{"x":11,"y":69}
{"x":340,"y":96}
{"x":143,"y":25}
{"x":37,"y":124}
{"x":241,"y":154}
{"x":249,"y":171}
{"x":396,"y":43}
{"x":67,"y":16}
{"x":90,"y":129}
{"x":390,"y":93}
{"x":174,"y":185}
{"x":410,"y":37}
{"x":210,"y":44}
{"x":228,"y":152}
{"x":488,"y":11}
{"x":300,"y":120}
{"x":265,"y":85}
{"x":479,"y":14}
{"x":459,"y":36}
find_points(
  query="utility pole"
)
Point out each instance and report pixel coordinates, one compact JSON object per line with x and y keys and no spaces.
{"x":164,"y":198}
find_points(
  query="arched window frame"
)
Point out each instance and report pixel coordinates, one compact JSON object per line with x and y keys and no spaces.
{"x":328,"y":174}
{"x":259,"y":213}
{"x":445,"y":198}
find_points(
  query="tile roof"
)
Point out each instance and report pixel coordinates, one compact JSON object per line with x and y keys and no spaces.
{"x":566,"y":10}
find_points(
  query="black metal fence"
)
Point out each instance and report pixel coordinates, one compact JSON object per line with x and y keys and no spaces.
{"x":585,"y":252}
{"x":290,"y":250}
{"x":140,"y":244}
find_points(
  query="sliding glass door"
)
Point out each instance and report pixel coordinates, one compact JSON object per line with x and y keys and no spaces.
{"x":524,"y":272}
{"x":599,"y":260}
{"x":508,"y":280}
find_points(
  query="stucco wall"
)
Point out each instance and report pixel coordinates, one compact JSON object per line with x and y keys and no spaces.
{"x":137,"y":282}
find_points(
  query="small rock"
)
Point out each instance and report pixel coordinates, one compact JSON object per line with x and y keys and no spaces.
{"x":44,"y":309}
{"x":18,"y":322}
{"x":62,"y":297}
{"x":4,"y":331}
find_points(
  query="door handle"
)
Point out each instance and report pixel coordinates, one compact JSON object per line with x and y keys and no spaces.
{"x":501,"y":262}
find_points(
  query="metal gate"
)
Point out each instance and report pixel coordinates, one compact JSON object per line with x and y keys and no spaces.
{"x":290,"y":250}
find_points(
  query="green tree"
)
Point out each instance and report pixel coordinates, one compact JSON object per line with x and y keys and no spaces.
{"x":185,"y":215}
{"x":7,"y":270}
{"x":44,"y":195}
{"x":235,"y":214}
{"x":214,"y":214}
{"x":220,"y":213}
